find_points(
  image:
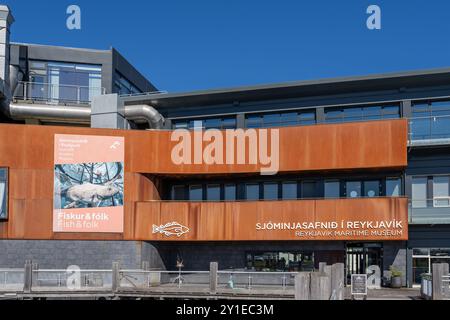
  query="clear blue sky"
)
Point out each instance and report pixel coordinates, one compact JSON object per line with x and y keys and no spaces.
{"x":189,"y":45}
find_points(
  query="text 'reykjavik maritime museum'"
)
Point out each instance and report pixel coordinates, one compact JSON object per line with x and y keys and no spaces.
{"x":87,"y":174}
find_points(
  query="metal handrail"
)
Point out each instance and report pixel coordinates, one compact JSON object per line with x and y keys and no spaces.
{"x":23,"y":91}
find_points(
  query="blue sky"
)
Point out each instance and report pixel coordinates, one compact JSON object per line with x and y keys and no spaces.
{"x":202,"y":44}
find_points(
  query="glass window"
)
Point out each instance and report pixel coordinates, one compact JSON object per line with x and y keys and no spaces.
{"x":393,"y":187}
{"x":3,"y":193}
{"x":196,"y":193}
{"x":307,"y":118}
{"x":270,"y":191}
{"x":332,"y":189}
{"x":254,"y":121}
{"x":441,"y":191}
{"x":252,"y":191}
{"x":230,"y":192}
{"x":419,"y":192}
{"x":353,"y":189}
{"x":271,"y":120}
{"x":309,"y":189}
{"x":289,"y":119}
{"x":213,"y":192}
{"x":372,"y":188}
{"x":289,"y":190}
{"x":178,"y":193}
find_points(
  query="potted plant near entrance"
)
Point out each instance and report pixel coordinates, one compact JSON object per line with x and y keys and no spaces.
{"x":396,"y":277}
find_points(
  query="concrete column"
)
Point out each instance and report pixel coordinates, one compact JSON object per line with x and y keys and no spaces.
{"x":28,"y":276}
{"x":115,"y":276}
{"x":6,"y":19}
{"x":213,"y":268}
{"x":302,"y":286}
{"x":438,"y":272}
{"x":107,"y":111}
{"x":337,"y":281}
{"x":322,"y":266}
{"x":445,"y":272}
{"x":320,"y":286}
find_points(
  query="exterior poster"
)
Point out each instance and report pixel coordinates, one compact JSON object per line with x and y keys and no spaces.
{"x":88,"y":184}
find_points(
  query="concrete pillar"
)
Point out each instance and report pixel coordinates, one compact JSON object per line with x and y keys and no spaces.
{"x":302,"y":286}
{"x":438,"y":272}
{"x":28,"y":276}
{"x":108,"y":112}
{"x":322,"y":266}
{"x":6,"y":19}
{"x":213,"y":268}
{"x":445,"y":272}
{"x":115,"y":276}
{"x":320,"y":286}
{"x":337,"y":281}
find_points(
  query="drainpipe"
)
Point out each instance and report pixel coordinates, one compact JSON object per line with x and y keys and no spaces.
{"x":144,"y":112}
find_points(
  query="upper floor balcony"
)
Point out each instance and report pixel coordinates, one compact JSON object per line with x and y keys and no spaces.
{"x":429,"y":130}
{"x":59,"y":94}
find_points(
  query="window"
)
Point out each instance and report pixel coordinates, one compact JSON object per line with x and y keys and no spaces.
{"x":423,"y":260}
{"x":280,"y":261}
{"x":353,"y":189}
{"x":178,"y":193}
{"x":283,"y":119}
{"x":419,"y":192}
{"x":252,"y":191}
{"x":441,"y":191}
{"x":209,"y":123}
{"x":393,"y":187}
{"x":230,"y":192}
{"x":3,"y":193}
{"x":213,"y":192}
{"x":332,"y":189}
{"x":352,"y":114}
{"x":270,"y":191}
{"x":309,"y":189}
{"x":196,"y":193}
{"x":289,"y":190}
{"x":69,"y":82}
{"x":430,"y":120}
{"x":372,"y":188}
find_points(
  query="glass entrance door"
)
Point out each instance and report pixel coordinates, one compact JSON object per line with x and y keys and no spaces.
{"x":362,"y":255}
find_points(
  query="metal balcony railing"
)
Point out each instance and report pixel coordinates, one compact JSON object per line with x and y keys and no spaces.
{"x":432,"y":210}
{"x":56,"y":93}
{"x":431,"y":128}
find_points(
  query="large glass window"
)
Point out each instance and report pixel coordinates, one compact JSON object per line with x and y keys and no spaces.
{"x":332,"y":189}
{"x":423,"y":260}
{"x":441,"y":191}
{"x":289,"y":190}
{"x":252,"y":191}
{"x":283,"y":119}
{"x":3,"y":193}
{"x":372,"y":188}
{"x":353,"y":189}
{"x":430,"y":120}
{"x":352,"y":114}
{"x":419,"y":192}
{"x":196,"y":193}
{"x":393,"y":187}
{"x":210,"y":123}
{"x":309,"y":189}
{"x":124,"y":86}
{"x":230,"y":192}
{"x":67,"y":82}
{"x":213,"y":192}
{"x":177,"y":193}
{"x":280,"y":261}
{"x":270,"y":191}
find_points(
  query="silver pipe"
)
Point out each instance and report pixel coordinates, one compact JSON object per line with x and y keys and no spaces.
{"x":144,"y":112}
{"x":49,"y":112}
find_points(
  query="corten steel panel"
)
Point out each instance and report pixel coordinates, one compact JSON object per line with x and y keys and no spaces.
{"x":28,"y":152}
{"x":237,"y":221}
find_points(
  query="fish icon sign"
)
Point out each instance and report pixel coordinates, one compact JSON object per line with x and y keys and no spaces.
{"x":115,"y":145}
{"x":171,"y":229}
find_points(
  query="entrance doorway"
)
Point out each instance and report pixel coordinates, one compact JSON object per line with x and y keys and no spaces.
{"x":359,"y":256}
